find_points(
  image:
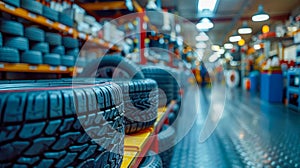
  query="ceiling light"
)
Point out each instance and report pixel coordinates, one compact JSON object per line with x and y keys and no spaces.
{"x":202,"y":37}
{"x":241,"y":42}
{"x":207,"y":4}
{"x":205,"y":24}
{"x":265,"y":29}
{"x":235,"y":38}
{"x":215,"y":48}
{"x":245,"y":29}
{"x":214,"y":57}
{"x":221,"y":51}
{"x":257,"y":46}
{"x":260,"y":15}
{"x":228,"y":46}
{"x":201,"y":45}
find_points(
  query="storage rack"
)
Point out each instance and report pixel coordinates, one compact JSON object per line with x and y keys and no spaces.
{"x":293,"y":89}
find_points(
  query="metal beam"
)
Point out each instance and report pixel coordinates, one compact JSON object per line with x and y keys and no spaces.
{"x":96,"y":6}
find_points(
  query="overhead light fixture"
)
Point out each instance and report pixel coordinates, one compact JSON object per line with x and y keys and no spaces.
{"x":202,"y":37}
{"x":205,"y":24}
{"x":257,"y":46}
{"x":241,"y":42}
{"x":265,"y":29}
{"x":260,"y":15}
{"x":207,"y":5}
{"x":201,"y":45}
{"x":228,"y":46}
{"x":215,"y":48}
{"x":221,"y":51}
{"x":235,"y":38}
{"x":214,"y":57}
{"x":245,"y":29}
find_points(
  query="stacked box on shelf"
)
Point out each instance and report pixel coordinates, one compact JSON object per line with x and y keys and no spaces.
{"x":293,"y":88}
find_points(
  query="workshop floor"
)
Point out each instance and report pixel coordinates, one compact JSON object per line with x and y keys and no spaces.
{"x":251,"y":133}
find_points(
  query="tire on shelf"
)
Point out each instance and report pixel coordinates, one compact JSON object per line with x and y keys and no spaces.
{"x":74,"y":52}
{"x":67,"y":60}
{"x":52,"y":59}
{"x":9,"y":55}
{"x":32,"y":6}
{"x":166,"y":140}
{"x":15,"y":3}
{"x":20,"y":43}
{"x":42,"y":47}
{"x":171,"y":118}
{"x":32,"y":57}
{"x":35,"y":34}
{"x":152,"y":160}
{"x":58,"y":127}
{"x":1,"y":40}
{"x":11,"y":27}
{"x":58,"y":50}
{"x":69,"y":42}
{"x":50,"y":13}
{"x":65,"y":19}
{"x":165,"y":82}
{"x":112,"y":61}
{"x":54,"y":39}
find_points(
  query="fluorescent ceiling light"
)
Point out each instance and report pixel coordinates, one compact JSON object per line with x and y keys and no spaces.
{"x":261,"y":15}
{"x":204,"y":24}
{"x":207,"y":4}
{"x":201,"y":45}
{"x":257,"y":46}
{"x":215,"y":48}
{"x":228,"y":46}
{"x":221,"y":51}
{"x":214,"y":57}
{"x":245,"y":29}
{"x":202,"y":37}
{"x":235,"y":38}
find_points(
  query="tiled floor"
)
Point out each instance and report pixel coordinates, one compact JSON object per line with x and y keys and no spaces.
{"x":251,"y":133}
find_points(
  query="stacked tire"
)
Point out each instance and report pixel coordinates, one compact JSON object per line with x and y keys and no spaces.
{"x":61,"y":126}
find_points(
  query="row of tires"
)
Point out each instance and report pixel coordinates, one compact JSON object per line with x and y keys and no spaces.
{"x":40,"y":9}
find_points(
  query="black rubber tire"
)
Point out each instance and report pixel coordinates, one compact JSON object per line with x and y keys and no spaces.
{"x":53,"y":39}
{"x":41,"y":128}
{"x":42,"y":47}
{"x":152,"y":160}
{"x":35,"y":34}
{"x":11,"y":27}
{"x":20,"y":43}
{"x":50,"y":13}
{"x":166,"y":140}
{"x":74,"y":52}
{"x":32,"y":6}
{"x":112,"y":61}
{"x":164,"y":80}
{"x":52,"y":59}
{"x":141,"y":104}
{"x":70,"y":42}
{"x":10,"y":55}
{"x":15,"y":3}
{"x":58,"y":50}
{"x":32,"y":57}
{"x":65,"y":19}
{"x":68,"y":60}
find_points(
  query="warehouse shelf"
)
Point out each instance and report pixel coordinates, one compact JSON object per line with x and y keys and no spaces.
{"x":137,"y":145}
{"x":22,"y":13}
{"x":21,"y":67}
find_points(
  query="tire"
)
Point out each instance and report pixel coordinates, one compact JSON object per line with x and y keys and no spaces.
{"x":151,"y":161}
{"x":68,"y":60}
{"x":115,"y":61}
{"x":58,"y":50}
{"x":42,"y":47}
{"x":12,"y":28}
{"x":70,"y":42}
{"x":19,"y":43}
{"x":65,"y":19}
{"x":50,"y":13}
{"x":32,"y":57}
{"x":166,"y":140}
{"x":35,"y":34}
{"x":15,"y":3}
{"x":1,"y":40}
{"x":32,"y":6}
{"x":171,"y":118}
{"x":53,"y":39}
{"x":10,"y":55}
{"x":141,"y":104}
{"x":164,"y":80}
{"x":52,"y":59}
{"x":44,"y":128}
{"x":74,"y":52}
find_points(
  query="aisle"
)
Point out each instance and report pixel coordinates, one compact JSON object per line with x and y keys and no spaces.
{"x":251,"y":133}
